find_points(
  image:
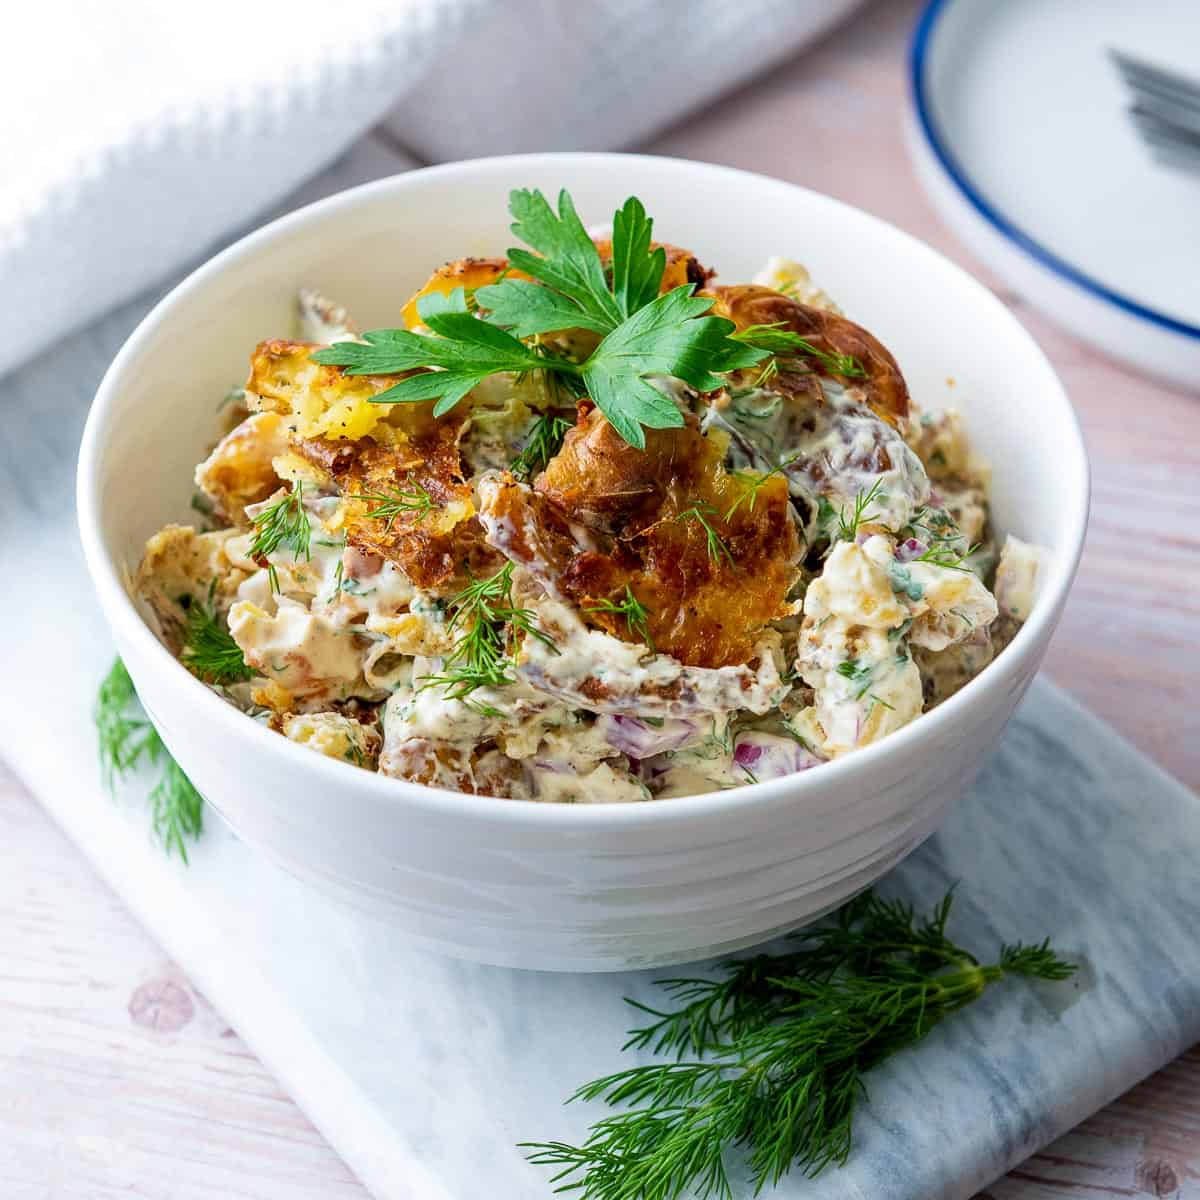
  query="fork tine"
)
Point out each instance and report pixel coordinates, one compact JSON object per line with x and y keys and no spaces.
{"x":1176,"y":100}
{"x":1154,"y":128}
{"x":1177,"y":161}
{"x":1143,"y":76}
{"x":1165,"y":111}
{"x":1153,"y":109}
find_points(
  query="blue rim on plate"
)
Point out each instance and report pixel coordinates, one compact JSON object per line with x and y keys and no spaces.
{"x":917,"y":60}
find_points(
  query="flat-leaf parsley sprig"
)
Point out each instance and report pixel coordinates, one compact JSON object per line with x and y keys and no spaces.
{"x":781,"y":1045}
{"x":644,"y":334}
{"x":126,"y":741}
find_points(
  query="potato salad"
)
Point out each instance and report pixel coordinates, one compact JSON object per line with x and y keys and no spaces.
{"x":585,"y":526}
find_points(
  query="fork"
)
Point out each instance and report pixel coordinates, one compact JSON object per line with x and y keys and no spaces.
{"x":1165,"y":110}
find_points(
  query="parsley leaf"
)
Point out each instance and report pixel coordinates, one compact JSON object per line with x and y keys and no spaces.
{"x":527,"y":309}
{"x":637,"y":270}
{"x":667,"y":337}
{"x":567,"y":259}
{"x":645,"y":334}
{"x":570,"y":271}
{"x":468,"y":351}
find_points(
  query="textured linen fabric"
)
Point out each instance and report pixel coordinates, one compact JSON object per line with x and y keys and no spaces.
{"x":136,"y":133}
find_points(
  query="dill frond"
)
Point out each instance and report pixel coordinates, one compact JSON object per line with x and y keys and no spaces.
{"x":700,"y":513}
{"x":753,"y":484}
{"x":209,"y":650}
{"x":782,"y":1045}
{"x":391,"y":504}
{"x":847,"y":524}
{"x":634,"y":612}
{"x":284,"y":523}
{"x":544,"y":442}
{"x":481,"y":657}
{"x":783,"y":343}
{"x":939,"y":556}
{"x":126,"y":741}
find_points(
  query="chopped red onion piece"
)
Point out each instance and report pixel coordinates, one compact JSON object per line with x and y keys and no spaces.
{"x":639,"y":739}
{"x":769,"y":756}
{"x":746,"y":753}
{"x":910,"y":549}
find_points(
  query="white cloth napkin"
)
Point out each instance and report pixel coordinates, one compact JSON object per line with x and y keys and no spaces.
{"x":136,"y":133}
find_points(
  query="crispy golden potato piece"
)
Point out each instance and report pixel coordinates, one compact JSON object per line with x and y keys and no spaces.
{"x":434,"y":546}
{"x":711,"y":568}
{"x":383,"y":449}
{"x":468,"y":273}
{"x":317,"y":400}
{"x":239,"y":470}
{"x":180,"y":567}
{"x":884,"y":387}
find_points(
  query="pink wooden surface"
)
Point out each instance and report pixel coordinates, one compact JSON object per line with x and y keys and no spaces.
{"x":117,"y":1079}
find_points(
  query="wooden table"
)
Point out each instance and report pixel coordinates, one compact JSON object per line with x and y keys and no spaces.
{"x":117,"y":1079}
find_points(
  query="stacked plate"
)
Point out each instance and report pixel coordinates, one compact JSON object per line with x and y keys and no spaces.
{"x":1022,"y":135}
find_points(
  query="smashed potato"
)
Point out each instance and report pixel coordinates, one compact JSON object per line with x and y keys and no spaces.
{"x":885,"y":391}
{"x":436,"y":539}
{"x":710,"y":563}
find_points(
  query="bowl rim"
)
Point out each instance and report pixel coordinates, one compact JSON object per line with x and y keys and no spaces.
{"x":131,"y":628}
{"x":923,"y":106}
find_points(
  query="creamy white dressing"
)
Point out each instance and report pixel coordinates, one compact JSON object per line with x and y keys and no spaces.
{"x":594,"y":670}
{"x":862,"y":616}
{"x":344,"y":643}
{"x":1018,"y":577}
{"x":834,"y":452}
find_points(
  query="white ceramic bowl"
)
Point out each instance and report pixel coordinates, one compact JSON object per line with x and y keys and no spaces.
{"x":576,"y":887}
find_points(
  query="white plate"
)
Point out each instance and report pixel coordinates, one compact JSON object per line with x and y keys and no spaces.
{"x":1020,"y":135}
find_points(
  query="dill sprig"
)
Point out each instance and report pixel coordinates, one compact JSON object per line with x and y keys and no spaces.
{"x":781,"y":1044}
{"x":391,"y":504}
{"x":769,"y":371}
{"x":176,"y":808}
{"x":634,"y":612}
{"x":700,"y":512}
{"x":209,"y":651}
{"x":753,"y":484}
{"x":856,"y":673}
{"x":544,"y":442}
{"x":932,"y":525}
{"x":940,"y":556}
{"x":841,"y":524}
{"x":126,"y":741}
{"x":482,"y":656}
{"x":284,"y":523}
{"x":783,"y":343}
